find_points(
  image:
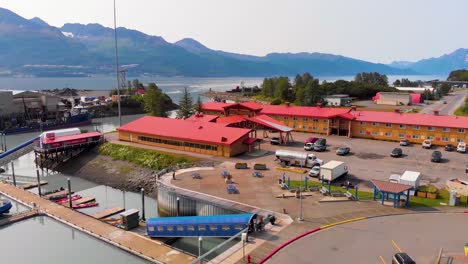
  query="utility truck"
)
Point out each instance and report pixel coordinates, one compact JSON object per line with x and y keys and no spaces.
{"x":295,"y":158}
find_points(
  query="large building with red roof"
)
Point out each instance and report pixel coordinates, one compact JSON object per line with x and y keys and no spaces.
{"x":393,"y":126}
{"x":196,"y":134}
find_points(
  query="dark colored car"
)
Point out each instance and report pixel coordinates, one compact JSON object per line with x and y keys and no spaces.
{"x":275,"y":141}
{"x":404,"y":142}
{"x":396,"y":152}
{"x":342,"y":151}
{"x":311,"y":140}
{"x":449,"y":147}
{"x":402,"y":258}
{"x":466,"y":169}
{"x":436,"y":156}
{"x":321,"y":141}
{"x":320,"y":147}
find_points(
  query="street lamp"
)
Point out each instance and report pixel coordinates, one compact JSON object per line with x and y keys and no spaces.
{"x":200,"y":242}
{"x":117,"y":66}
{"x":244,"y":240}
{"x":300,"y":200}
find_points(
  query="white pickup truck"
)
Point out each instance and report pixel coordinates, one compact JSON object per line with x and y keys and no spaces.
{"x":461,"y":147}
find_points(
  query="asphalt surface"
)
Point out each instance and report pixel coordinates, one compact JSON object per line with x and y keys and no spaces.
{"x":365,"y":241}
{"x":454,"y":100}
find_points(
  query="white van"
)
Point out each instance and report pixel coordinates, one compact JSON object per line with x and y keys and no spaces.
{"x":461,"y":147}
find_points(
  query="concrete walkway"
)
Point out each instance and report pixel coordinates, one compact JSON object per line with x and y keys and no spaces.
{"x":129,"y":241}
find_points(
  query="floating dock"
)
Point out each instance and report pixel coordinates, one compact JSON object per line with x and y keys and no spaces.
{"x":10,"y":219}
{"x":141,"y":246}
{"x":81,"y":201}
{"x":55,"y":194}
{"x":108,"y":212}
{"x":33,"y":185}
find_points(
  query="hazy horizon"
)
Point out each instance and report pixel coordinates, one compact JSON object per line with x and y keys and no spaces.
{"x":377,"y":31}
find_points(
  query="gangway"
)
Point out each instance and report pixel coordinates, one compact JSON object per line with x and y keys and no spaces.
{"x":16,"y":152}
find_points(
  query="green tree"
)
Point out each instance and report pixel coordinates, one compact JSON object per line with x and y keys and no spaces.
{"x":199,"y":105}
{"x":445,"y":88}
{"x":185,"y":105}
{"x":371,"y":78}
{"x":397,"y":83}
{"x":154,"y":101}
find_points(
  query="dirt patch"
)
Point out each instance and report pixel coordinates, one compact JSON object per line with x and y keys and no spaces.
{"x":364,"y":155}
{"x":115,"y":173}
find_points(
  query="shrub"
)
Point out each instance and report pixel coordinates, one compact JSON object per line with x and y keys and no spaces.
{"x":431,"y":189}
{"x":276,"y":101}
{"x":241,"y":165}
{"x":260,"y":166}
{"x":422,"y":188}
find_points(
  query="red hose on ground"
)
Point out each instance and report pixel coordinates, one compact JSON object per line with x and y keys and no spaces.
{"x":267,"y":257}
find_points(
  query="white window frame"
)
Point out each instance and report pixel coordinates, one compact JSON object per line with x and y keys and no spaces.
{"x":363,"y":123}
{"x":445,"y":129}
{"x":375,"y":124}
{"x":431,"y":128}
{"x":388,"y":134}
{"x":362,"y":132}
{"x":388,"y":125}
{"x":402,"y":126}
{"x":416,"y":127}
{"x":461,"y":130}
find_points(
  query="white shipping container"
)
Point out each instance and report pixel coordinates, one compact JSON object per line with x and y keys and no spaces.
{"x":60,"y":133}
{"x":411,"y":178}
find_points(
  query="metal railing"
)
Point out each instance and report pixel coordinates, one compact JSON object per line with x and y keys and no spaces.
{"x":206,"y":255}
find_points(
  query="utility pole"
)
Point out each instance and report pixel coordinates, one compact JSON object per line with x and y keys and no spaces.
{"x":117,"y":66}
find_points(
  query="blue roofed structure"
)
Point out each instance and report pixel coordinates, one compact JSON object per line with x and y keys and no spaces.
{"x":194,"y":226}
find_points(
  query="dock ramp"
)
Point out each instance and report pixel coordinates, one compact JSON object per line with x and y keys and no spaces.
{"x":16,"y":152}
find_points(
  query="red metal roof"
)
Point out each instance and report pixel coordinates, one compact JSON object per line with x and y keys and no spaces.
{"x":391,"y":187}
{"x":228,"y":120}
{"x":412,"y":119}
{"x":304,"y":111}
{"x":202,"y":118}
{"x":71,"y":137}
{"x":185,"y":130}
{"x":252,"y":105}
{"x":271,"y":123}
{"x":215,"y":106}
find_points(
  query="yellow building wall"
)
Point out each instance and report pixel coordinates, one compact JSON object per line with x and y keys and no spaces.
{"x":221,"y":150}
{"x":305,"y":124}
{"x":393,"y":132}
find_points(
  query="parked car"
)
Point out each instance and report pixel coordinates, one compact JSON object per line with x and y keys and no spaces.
{"x":402,"y":258}
{"x":275,"y":141}
{"x":321,"y":141}
{"x":449,"y":147}
{"x":342,"y":151}
{"x":315,"y":171}
{"x":461,"y":147}
{"x":436,"y":156}
{"x":309,"y":146}
{"x":396,"y":152}
{"x":427,"y":144}
{"x":311,"y":140}
{"x":445,"y":102}
{"x":466,"y":168}
{"x":404,"y":142}
{"x":320,"y":147}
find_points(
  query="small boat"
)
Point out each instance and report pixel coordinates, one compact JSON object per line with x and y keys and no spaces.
{"x":85,"y":205}
{"x":5,"y":206}
{"x":65,"y":200}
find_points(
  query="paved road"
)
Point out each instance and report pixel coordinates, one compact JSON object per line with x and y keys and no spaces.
{"x":420,"y":235}
{"x":454,"y":100}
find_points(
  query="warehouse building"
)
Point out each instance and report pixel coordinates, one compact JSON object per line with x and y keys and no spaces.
{"x":389,"y":98}
{"x":187,"y":135}
{"x":392,"y":126}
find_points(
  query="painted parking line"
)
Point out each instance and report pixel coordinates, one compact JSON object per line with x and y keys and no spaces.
{"x":382,"y":259}
{"x":396,"y":246}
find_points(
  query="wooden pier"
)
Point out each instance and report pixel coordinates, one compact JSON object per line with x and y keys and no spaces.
{"x":10,"y":219}
{"x":129,"y":241}
{"x":108,"y":212}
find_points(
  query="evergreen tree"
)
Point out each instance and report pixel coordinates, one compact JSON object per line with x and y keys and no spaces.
{"x":198,"y":105}
{"x":185,"y":105}
{"x":154,"y":101}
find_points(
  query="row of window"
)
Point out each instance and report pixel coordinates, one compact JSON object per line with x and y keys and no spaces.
{"x":389,"y":134}
{"x":305,"y":119}
{"x":415,"y":127}
{"x":177,"y":143}
{"x":170,"y":228}
{"x":309,"y":127}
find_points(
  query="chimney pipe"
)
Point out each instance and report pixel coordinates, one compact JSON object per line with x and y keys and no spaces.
{"x":436,"y":112}
{"x":286,"y":103}
{"x":319,"y":105}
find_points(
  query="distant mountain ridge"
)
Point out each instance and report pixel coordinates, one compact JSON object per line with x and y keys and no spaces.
{"x":35,"y":48}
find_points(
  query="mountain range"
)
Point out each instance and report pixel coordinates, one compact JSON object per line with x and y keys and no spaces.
{"x":33,"y":47}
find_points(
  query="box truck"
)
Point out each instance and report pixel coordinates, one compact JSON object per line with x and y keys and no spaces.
{"x":332,"y":170}
{"x":295,"y":158}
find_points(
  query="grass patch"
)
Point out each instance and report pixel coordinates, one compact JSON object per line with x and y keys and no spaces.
{"x":443,"y":196}
{"x":152,"y":159}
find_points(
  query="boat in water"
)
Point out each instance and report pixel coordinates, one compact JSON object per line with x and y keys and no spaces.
{"x":5,"y":206}
{"x":69,"y":120}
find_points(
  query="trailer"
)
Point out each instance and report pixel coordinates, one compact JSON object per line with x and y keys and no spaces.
{"x":295,"y":158}
{"x":333,"y":170}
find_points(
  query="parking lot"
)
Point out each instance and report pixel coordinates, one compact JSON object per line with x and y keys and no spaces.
{"x":370,"y":159}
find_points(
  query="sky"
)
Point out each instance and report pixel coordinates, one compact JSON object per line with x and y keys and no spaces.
{"x":373,"y":30}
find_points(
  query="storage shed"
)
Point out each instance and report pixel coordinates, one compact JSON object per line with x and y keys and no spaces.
{"x":411,"y":178}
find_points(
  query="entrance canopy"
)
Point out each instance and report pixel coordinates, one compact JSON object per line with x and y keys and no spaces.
{"x":384,"y":188}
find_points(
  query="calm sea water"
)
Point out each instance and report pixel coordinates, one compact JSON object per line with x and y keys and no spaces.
{"x":171,"y":85}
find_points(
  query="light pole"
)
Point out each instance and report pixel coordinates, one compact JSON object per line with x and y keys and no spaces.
{"x":200,"y":243}
{"x":300,"y":200}
{"x":117,"y":65}
{"x":244,"y":240}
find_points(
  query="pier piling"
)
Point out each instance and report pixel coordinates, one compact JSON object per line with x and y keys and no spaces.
{"x":38,"y":183}
{"x":143,"y":204}
{"x":69,"y":193}
{"x":13,"y":173}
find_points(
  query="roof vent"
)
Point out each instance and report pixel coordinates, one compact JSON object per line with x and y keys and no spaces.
{"x":200,"y":127}
{"x":436,"y":112}
{"x":396,"y":110}
{"x":287,"y":103}
{"x":223,"y":139}
{"x":319,"y":105}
